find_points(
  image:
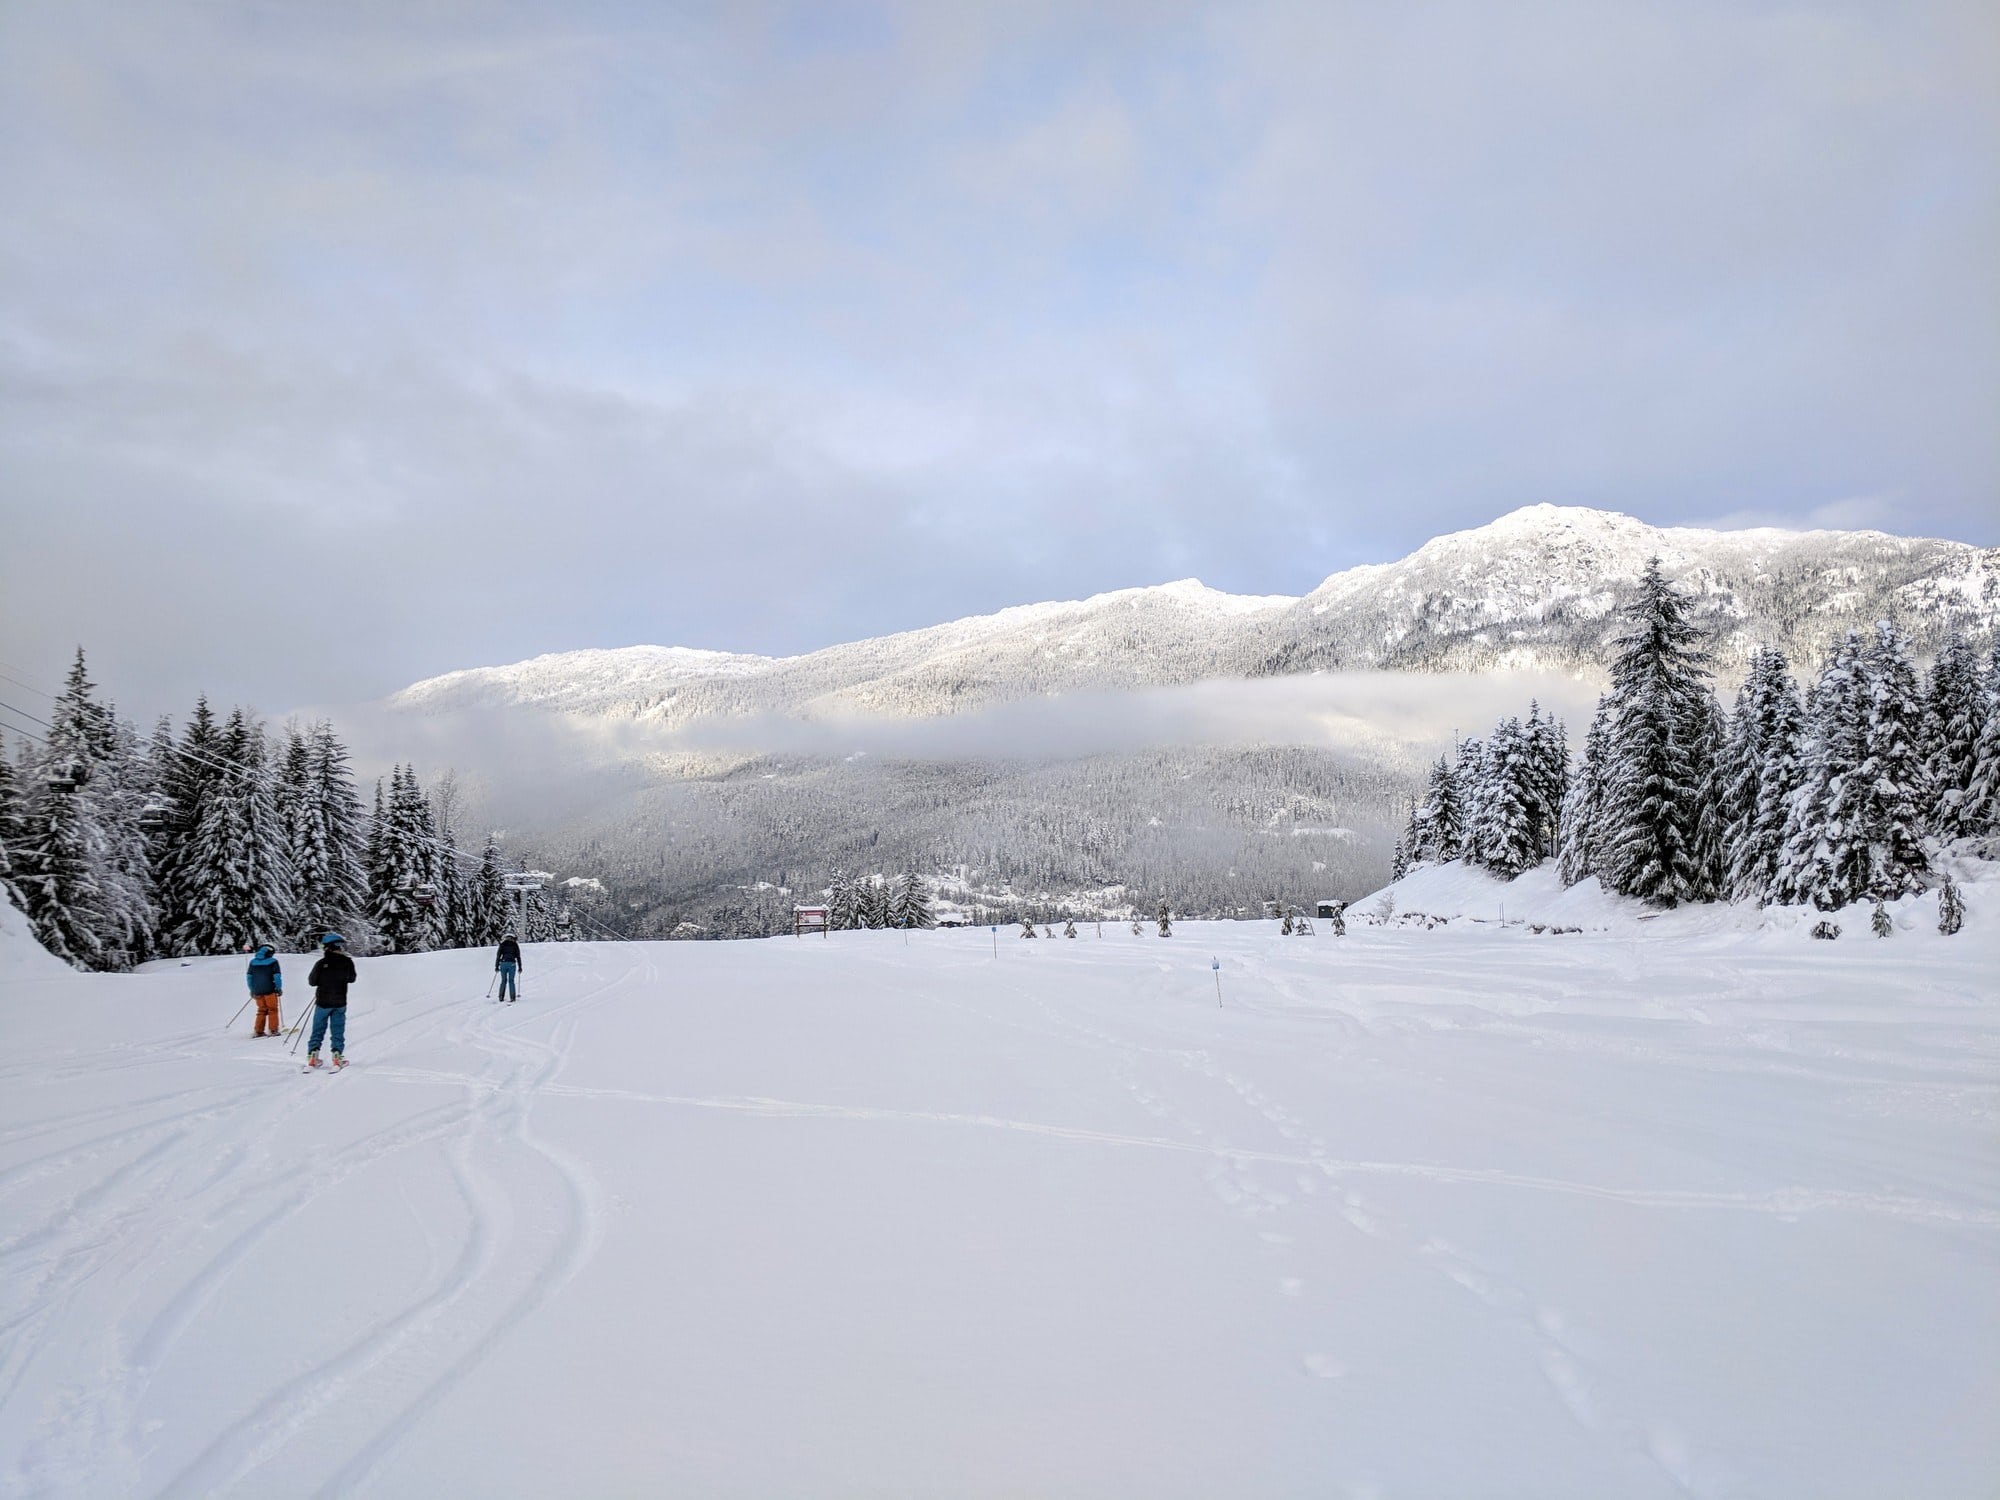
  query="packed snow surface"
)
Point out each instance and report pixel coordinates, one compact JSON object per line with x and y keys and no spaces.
{"x":1459,"y":1211}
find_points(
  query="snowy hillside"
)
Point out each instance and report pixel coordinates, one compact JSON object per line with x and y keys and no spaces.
{"x":1456,"y":891}
{"x":1539,"y":587}
{"x":1175,"y":632}
{"x":1460,"y":1211}
{"x":1535,"y":587}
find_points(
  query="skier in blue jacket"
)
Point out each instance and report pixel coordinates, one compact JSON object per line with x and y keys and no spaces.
{"x":267,"y":983}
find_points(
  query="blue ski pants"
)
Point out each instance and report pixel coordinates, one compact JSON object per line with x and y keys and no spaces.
{"x":322,"y":1016}
{"x":507,"y":990}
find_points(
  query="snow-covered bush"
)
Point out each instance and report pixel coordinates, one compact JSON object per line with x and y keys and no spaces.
{"x":1951,"y":907}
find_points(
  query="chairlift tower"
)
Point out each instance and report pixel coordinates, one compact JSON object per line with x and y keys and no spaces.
{"x":520,"y":882}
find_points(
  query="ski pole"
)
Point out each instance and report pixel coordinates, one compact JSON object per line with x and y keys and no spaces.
{"x":298,"y":1035}
{"x":491,"y":982}
{"x":239,"y":1012}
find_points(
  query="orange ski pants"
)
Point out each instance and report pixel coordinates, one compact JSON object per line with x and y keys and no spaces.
{"x":267,"y":1012}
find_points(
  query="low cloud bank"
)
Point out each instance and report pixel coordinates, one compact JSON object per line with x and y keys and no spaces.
{"x":521,"y":762}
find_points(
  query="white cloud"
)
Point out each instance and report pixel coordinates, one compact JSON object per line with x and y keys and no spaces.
{"x":498,"y":329}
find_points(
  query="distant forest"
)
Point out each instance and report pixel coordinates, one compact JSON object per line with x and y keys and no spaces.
{"x":1211,"y":832}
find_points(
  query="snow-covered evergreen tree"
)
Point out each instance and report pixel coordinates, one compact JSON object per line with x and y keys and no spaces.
{"x":83,"y":868}
{"x":843,"y":903}
{"x":1979,"y":812}
{"x":434,"y":868}
{"x":237,"y":866}
{"x":1577,"y":851}
{"x":1503,"y":832}
{"x":1547,"y":781}
{"x":1955,"y":710}
{"x":1756,"y":775}
{"x":126,"y":794}
{"x":1469,"y":773}
{"x":1825,"y":856}
{"x":185,"y":772}
{"x":910,"y":905}
{"x":1438,"y":825}
{"x":56,"y":877}
{"x":1951,"y":907}
{"x":399,"y":867}
{"x":1895,"y":778}
{"x":541,"y":924}
{"x":492,"y":913}
{"x":13,"y":822}
{"x":1649,"y":837}
{"x":328,"y":880}
{"x":871,"y":903}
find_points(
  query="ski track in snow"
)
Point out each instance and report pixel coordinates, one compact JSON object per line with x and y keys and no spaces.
{"x":125,"y":1224}
{"x":110,"y":1231}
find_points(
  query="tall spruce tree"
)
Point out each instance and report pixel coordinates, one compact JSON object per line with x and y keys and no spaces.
{"x":185,"y":773}
{"x":1439,"y":822}
{"x":237,"y":866}
{"x":909,"y":903}
{"x":1825,"y":857}
{"x":1650,"y":838}
{"x":1979,"y":811}
{"x":1757,"y":773}
{"x":83,"y":869}
{"x":1706,"y":730}
{"x":12,"y":824}
{"x":1954,"y":713}
{"x":1577,"y":854}
{"x":401,"y":923}
{"x":843,"y":903}
{"x":1503,"y":834}
{"x":490,"y":908}
{"x":1547,"y":779}
{"x":126,"y":792}
{"x":1895,"y":778}
{"x":328,"y":878}
{"x":872,"y":903}
{"x":56,"y":876}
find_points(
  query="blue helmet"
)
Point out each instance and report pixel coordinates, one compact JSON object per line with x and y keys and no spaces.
{"x":330,"y":939}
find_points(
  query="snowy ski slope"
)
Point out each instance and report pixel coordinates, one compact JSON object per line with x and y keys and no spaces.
{"x":1654,"y":1210}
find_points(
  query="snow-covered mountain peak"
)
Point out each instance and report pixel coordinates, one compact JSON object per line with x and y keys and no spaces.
{"x":1539,"y":586}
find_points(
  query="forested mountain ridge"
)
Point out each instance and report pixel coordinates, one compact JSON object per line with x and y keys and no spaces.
{"x":1173,"y":632}
{"x":1536,"y":588}
{"x":710,"y":824}
{"x":1541,"y":587}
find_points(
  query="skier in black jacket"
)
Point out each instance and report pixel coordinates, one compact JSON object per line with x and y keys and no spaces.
{"x":330,"y":978}
{"x":507,"y":963}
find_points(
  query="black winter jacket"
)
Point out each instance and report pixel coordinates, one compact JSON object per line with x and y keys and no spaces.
{"x":510,"y":953}
{"x":330,"y":978}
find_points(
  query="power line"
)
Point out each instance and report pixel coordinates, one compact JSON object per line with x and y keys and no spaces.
{"x":26,"y":715}
{"x":20,"y":684}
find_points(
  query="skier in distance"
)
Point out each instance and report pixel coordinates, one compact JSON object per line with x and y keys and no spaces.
{"x":267,"y":983}
{"x":507,"y":963}
{"x":330,"y":978}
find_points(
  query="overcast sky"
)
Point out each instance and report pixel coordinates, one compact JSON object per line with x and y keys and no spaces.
{"x":345,"y":344}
